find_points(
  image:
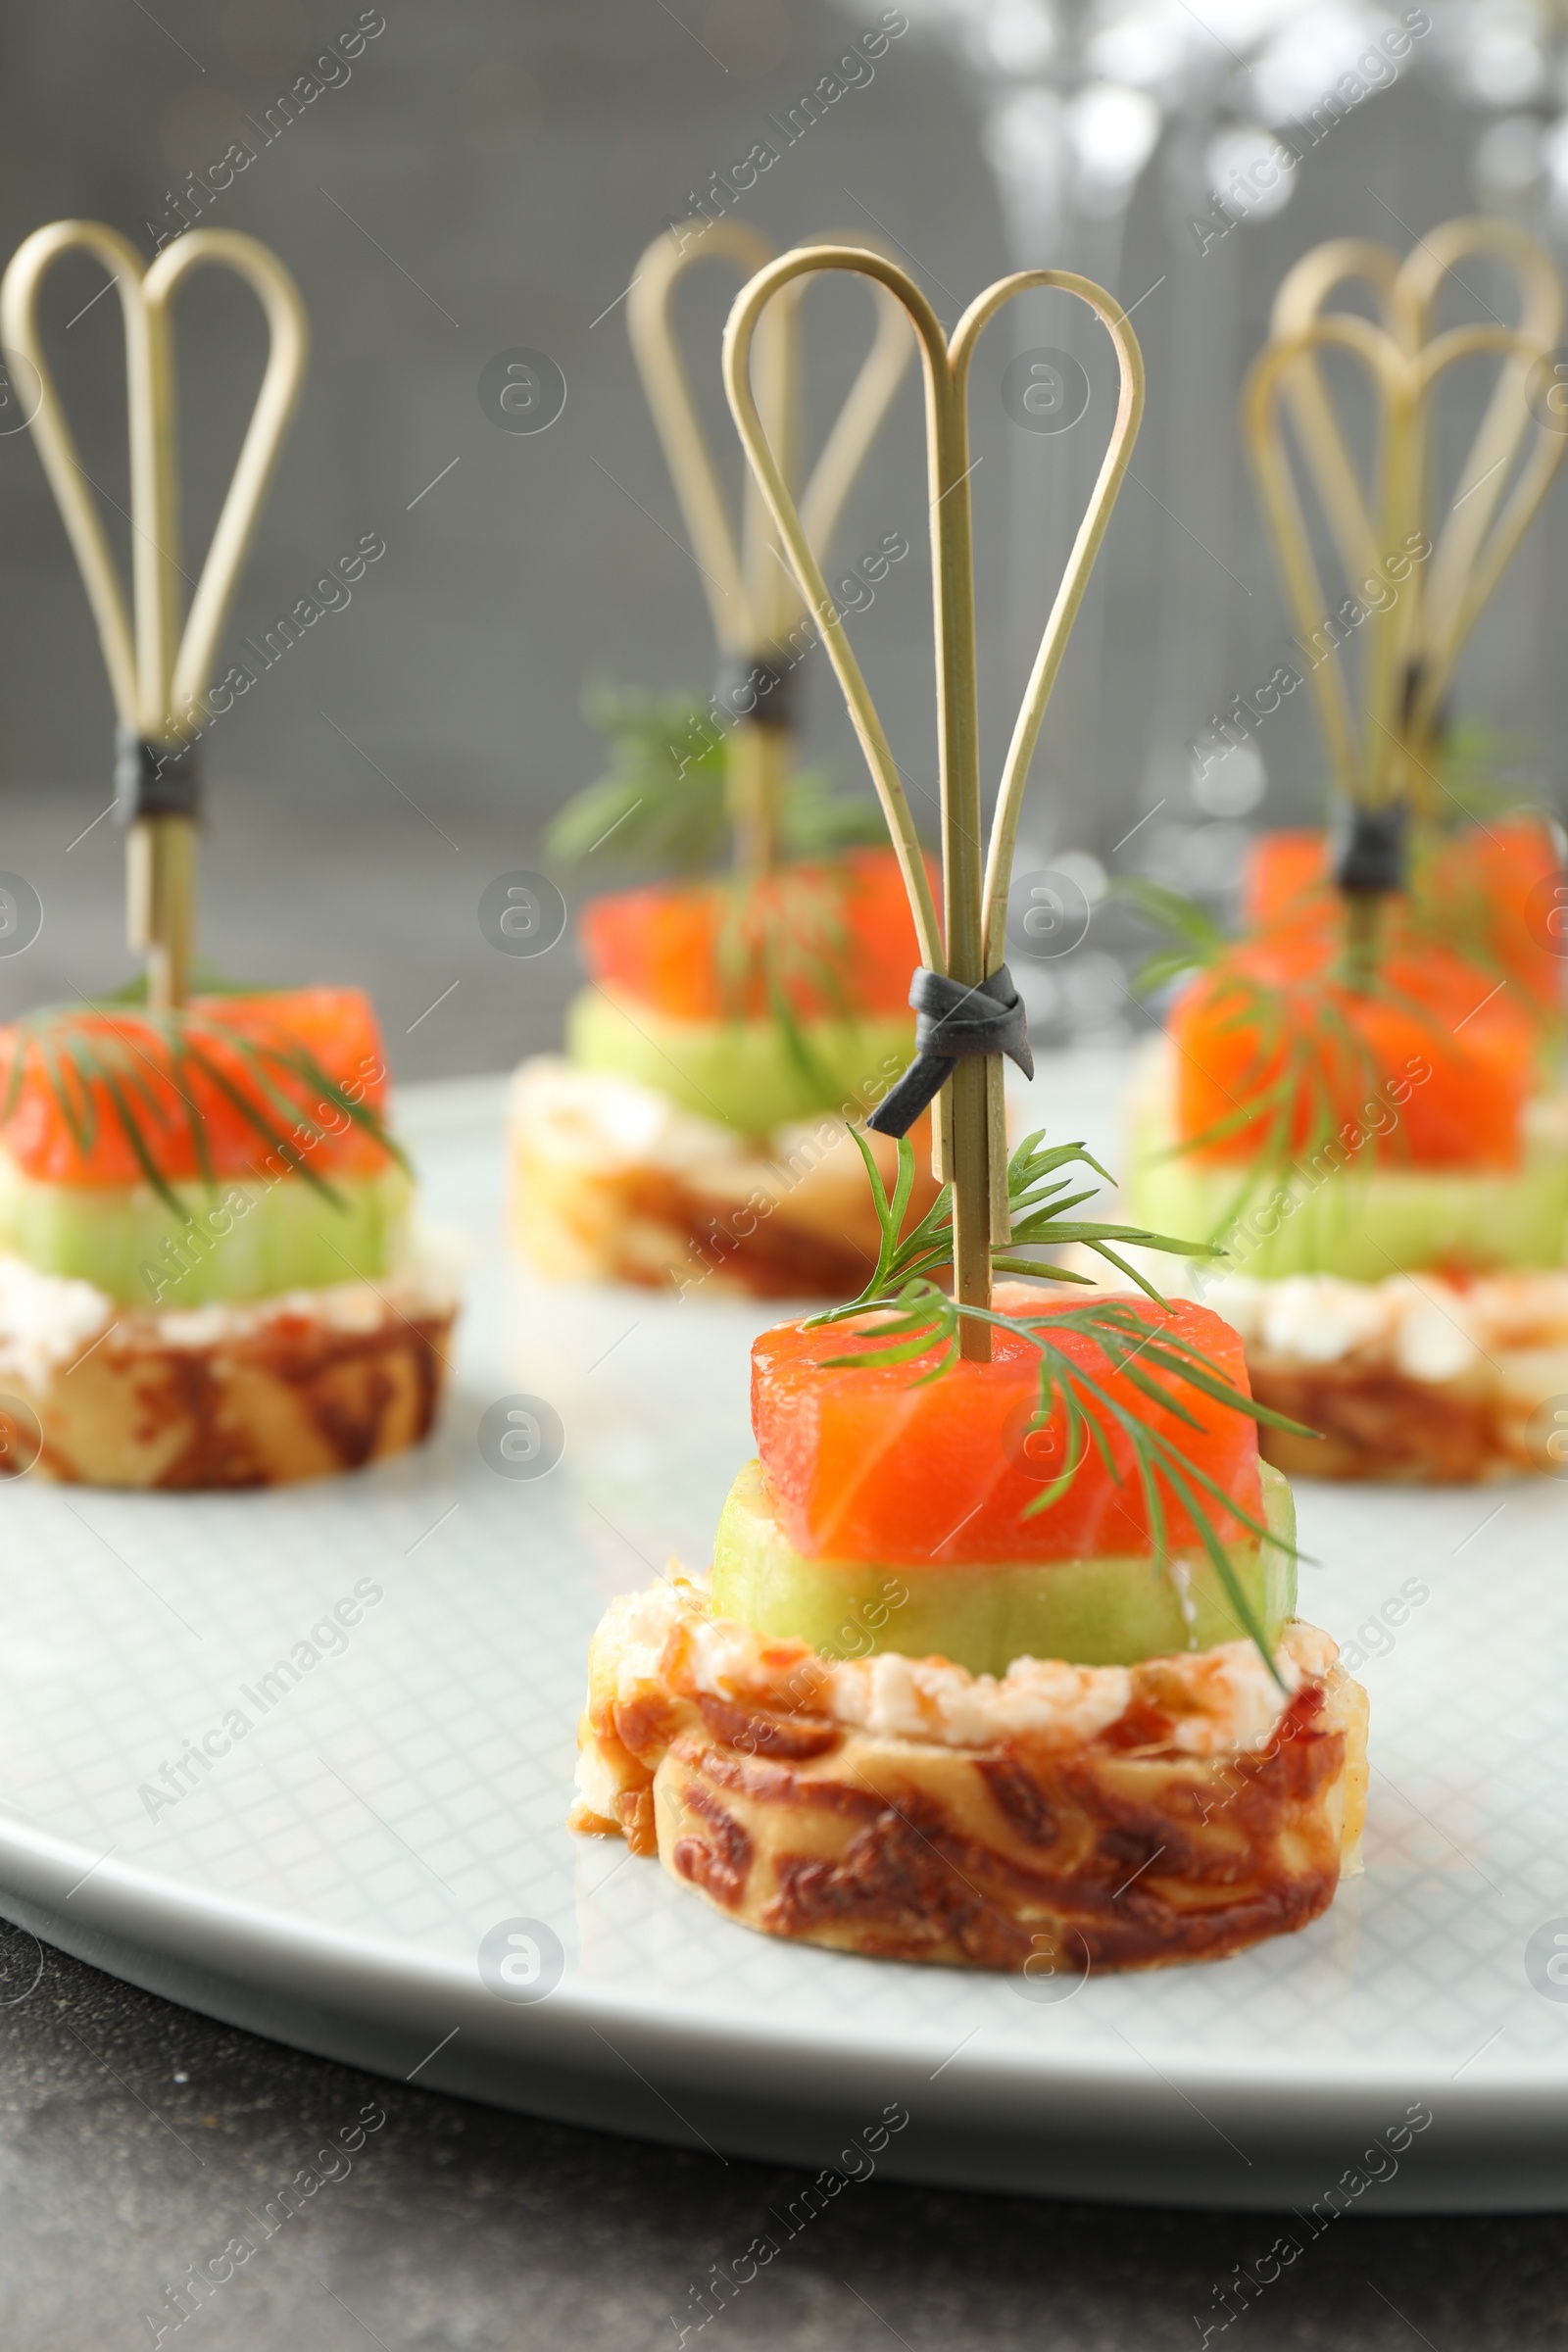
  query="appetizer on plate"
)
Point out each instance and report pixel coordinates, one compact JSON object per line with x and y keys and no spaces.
{"x":999,"y":1663}
{"x":744,"y":1006}
{"x":207,"y":1276}
{"x":1361,"y":1098}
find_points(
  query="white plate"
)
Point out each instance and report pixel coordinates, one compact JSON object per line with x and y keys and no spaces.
{"x":332,"y":1878}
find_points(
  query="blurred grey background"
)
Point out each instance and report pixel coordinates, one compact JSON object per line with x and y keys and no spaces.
{"x":485,"y":177}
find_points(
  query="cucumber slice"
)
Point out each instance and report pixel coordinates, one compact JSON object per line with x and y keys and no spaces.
{"x":242,"y":1240}
{"x":1363,"y":1222}
{"x":1108,"y":1612}
{"x":750,"y":1074}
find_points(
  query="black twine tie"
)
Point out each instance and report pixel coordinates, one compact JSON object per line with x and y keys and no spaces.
{"x":953,"y":1021}
{"x":1373,"y":854}
{"x":153,"y":779}
{"x":755,"y":687}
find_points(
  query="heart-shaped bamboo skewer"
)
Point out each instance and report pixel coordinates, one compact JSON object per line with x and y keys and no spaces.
{"x":1365,"y":766}
{"x":972,"y":1133}
{"x":1302,"y":298}
{"x":1375,"y":770}
{"x":158,"y":667}
{"x":1405,"y":295}
{"x":749,"y":592}
{"x":1473,"y":543}
{"x":1466,"y":563}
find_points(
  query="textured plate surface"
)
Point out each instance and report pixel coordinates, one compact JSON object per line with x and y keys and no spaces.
{"x":382,"y":1798}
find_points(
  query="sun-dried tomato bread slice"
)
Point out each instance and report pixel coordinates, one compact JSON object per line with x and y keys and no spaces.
{"x":613,"y":1181}
{"x":261,"y":1394}
{"x":1067,"y":1816}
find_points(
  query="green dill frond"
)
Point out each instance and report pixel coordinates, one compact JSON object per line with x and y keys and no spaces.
{"x":917,"y":1321}
{"x":662,"y":808}
{"x":784,"y":938}
{"x":661,"y":805}
{"x":818,"y":819}
{"x":1479,"y":769}
{"x":1197,"y":939}
{"x":206,"y":980}
{"x":1041,"y":1199}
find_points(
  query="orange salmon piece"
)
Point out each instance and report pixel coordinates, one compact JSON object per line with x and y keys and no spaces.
{"x":866,"y":1464}
{"x":335,"y":1028}
{"x":1440,"y":1042}
{"x":694,"y":949}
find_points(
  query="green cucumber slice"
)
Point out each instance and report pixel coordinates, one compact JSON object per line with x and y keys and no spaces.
{"x":1108,"y":1612}
{"x":750,"y":1074}
{"x":1362,"y":1223}
{"x":242,"y":1240}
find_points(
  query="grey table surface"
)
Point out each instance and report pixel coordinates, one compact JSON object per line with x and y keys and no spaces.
{"x":138,"y":2140}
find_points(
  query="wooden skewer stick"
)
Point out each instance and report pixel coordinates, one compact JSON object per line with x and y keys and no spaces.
{"x":1469,"y":558}
{"x":1303,"y":294}
{"x":1053,"y":644}
{"x":1472,"y":545}
{"x":750,"y":594}
{"x":975,"y":894}
{"x":157,"y":669}
{"x":1403,"y":379}
{"x":1461,"y":554}
{"x":1362,"y":766}
{"x":1385,"y":764}
{"x":697,"y":490}
{"x":738,"y":339}
{"x":759,"y":756}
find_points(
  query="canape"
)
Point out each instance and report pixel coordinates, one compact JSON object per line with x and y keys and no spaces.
{"x":914,"y":1715}
{"x":1360,"y":1099}
{"x":207,"y":1271}
{"x":998,"y":1664}
{"x":747,"y":1004}
{"x":1389,"y":1187}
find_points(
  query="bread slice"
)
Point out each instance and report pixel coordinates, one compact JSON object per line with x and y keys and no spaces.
{"x":1060,"y":1819}
{"x":1416,"y":1378}
{"x":612,"y":1181}
{"x":262,"y":1394}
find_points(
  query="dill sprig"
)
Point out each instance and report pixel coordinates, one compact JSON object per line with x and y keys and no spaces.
{"x":918,"y":1319}
{"x":1479,"y":770}
{"x":817,"y":818}
{"x":664,"y":802}
{"x":663,"y":806}
{"x":85,"y":1053}
{"x":1196,"y":940}
{"x":785,"y":936}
